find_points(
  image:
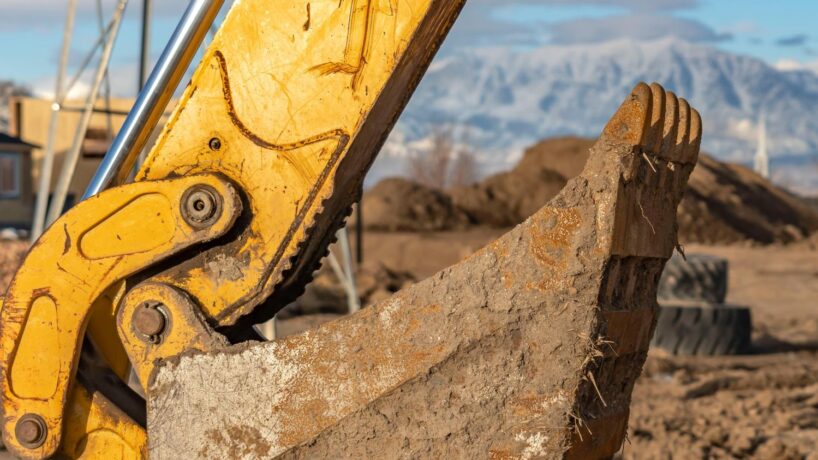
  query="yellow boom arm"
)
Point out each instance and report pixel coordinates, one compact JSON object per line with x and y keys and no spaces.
{"x":257,"y":167}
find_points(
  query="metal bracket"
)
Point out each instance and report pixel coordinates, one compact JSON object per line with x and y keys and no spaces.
{"x":157,"y":322}
{"x":98,"y":243}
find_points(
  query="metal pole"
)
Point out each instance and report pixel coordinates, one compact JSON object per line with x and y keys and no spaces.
{"x":103,"y":32}
{"x":346,"y":274}
{"x":87,"y":60}
{"x":47,"y":167}
{"x":144,"y":68}
{"x":152,"y":101}
{"x":145,"y":43}
{"x":269,"y":330}
{"x":72,"y":157}
{"x":354,"y":301}
{"x":359,"y":231}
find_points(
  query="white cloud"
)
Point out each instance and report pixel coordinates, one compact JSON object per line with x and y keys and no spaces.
{"x":789,"y":65}
{"x":122,"y":81}
{"x":743,"y":28}
{"x":637,"y":26}
{"x":479,"y":24}
{"x":633,"y":5}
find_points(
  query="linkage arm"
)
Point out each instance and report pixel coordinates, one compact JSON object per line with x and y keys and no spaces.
{"x":96,"y":244}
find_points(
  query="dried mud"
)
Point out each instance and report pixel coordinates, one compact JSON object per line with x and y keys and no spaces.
{"x":762,"y":406}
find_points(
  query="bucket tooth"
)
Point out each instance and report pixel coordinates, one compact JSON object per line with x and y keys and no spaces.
{"x":527,"y":349}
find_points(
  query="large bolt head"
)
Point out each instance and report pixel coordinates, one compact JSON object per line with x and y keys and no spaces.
{"x":31,"y":431}
{"x":149,"y":321}
{"x":201,"y":206}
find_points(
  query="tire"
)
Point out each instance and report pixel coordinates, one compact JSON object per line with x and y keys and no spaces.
{"x":703,"y":330}
{"x":700,"y":278}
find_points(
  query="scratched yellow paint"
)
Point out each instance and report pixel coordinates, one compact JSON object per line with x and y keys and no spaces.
{"x":102,"y":327}
{"x":186,"y":331}
{"x":96,"y":429}
{"x":287,"y":86}
{"x":47,"y":306}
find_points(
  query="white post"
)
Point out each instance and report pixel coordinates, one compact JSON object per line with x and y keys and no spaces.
{"x":72,"y":157}
{"x":345,"y":272}
{"x":762,"y":159}
{"x":47,"y":165}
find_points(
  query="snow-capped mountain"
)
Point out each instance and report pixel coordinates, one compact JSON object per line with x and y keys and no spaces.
{"x":506,"y":100}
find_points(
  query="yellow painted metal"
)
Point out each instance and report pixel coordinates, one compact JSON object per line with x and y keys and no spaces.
{"x":102,"y":330}
{"x":301,"y":94}
{"x":97,"y":429}
{"x":99,"y":242}
{"x":186,"y":328}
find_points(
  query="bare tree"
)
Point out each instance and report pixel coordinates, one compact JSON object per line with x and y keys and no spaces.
{"x":465,"y":169}
{"x":443,"y":164}
{"x":431,"y":167}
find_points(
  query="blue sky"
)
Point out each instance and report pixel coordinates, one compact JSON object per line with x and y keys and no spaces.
{"x":779,"y":32}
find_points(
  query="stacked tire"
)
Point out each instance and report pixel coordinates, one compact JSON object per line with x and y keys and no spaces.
{"x":693,"y":318}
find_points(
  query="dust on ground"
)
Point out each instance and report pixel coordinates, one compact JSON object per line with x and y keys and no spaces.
{"x":762,"y":406}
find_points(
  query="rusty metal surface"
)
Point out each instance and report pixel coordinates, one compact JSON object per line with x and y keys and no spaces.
{"x":157,"y":322}
{"x":529,"y":348}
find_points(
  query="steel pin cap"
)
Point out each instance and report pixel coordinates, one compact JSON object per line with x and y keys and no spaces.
{"x":31,"y":431}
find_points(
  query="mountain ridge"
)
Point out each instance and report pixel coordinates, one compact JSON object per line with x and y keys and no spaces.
{"x":506,"y":100}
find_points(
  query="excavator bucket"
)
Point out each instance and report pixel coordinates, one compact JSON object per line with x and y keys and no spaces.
{"x":527,"y":349}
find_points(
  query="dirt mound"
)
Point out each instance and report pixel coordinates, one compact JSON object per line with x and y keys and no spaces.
{"x":508,"y":198}
{"x":564,"y":155}
{"x":724,"y":203}
{"x":728,"y":203}
{"x":11,"y":256}
{"x":401,"y":205}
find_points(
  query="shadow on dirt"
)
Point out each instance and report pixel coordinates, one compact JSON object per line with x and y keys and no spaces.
{"x":767,"y":344}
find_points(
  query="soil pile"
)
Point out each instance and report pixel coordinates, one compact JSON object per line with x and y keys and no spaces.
{"x":508,"y":198}
{"x":728,"y":203}
{"x":724,"y":203}
{"x":397,"y":204}
{"x":11,"y":256}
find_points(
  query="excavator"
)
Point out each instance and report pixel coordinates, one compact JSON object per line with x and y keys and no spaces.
{"x":527,"y":349}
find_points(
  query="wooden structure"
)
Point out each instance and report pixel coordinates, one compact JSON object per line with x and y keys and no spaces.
{"x":16,"y":191}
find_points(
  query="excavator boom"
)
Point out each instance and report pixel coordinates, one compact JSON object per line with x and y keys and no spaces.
{"x":528,"y":349}
{"x":234,"y":207}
